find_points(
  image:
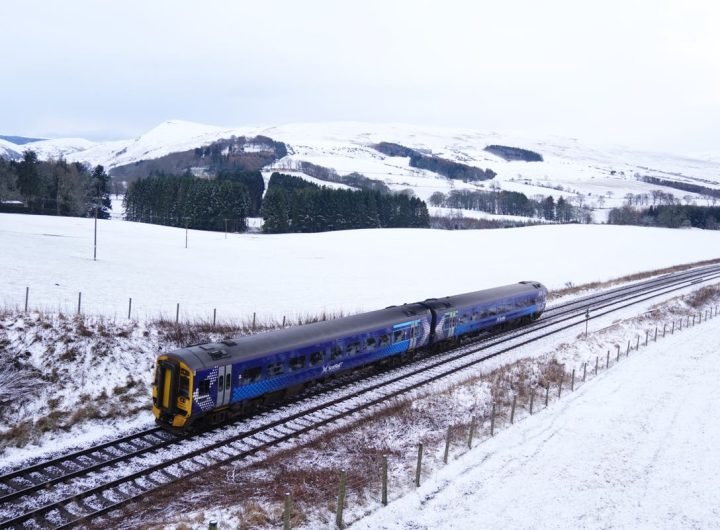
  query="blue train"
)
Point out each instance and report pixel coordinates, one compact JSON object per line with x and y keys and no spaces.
{"x":208,"y":383}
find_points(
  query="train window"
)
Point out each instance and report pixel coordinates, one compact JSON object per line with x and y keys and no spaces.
{"x":464,"y":318}
{"x":228,"y":381}
{"x":204,"y":387}
{"x":297,"y":363}
{"x":251,"y":374}
{"x":398,"y":336}
{"x":371,"y":343}
{"x":335,"y":352}
{"x":475,"y":315}
{"x":384,"y":340}
{"x":184,"y":386}
{"x":316,"y":357}
{"x":275,"y":368}
{"x":353,"y":348}
{"x":221,"y":383}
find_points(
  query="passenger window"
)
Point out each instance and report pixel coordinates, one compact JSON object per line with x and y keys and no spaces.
{"x":228,"y":381}
{"x":398,"y":336}
{"x":275,"y":369}
{"x":316,"y":357}
{"x":384,"y":340}
{"x":353,"y":348}
{"x":335,"y":353}
{"x":370,"y":343}
{"x":297,"y":363}
{"x":221,"y":383}
{"x":251,"y":374}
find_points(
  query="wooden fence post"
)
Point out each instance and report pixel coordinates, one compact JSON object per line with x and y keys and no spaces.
{"x":532,"y":399}
{"x":177,"y":313}
{"x":283,"y":325}
{"x":214,"y":316}
{"x":447,"y":445}
{"x":572,"y":381}
{"x":647,"y":333}
{"x":472,"y":432}
{"x":288,"y":510}
{"x":512,"y":410}
{"x":672,"y":332}
{"x":419,"y":465}
{"x":341,"y":500}
{"x":560,"y":387}
{"x":584,"y":371}
{"x":212,"y":524}
{"x":79,"y":301}
{"x":253,"y":326}
{"x":385,"y":481}
{"x":547,"y":394}
{"x":655,"y":334}
{"x":492,"y":420}
{"x":664,"y":327}
{"x":597,"y":360}
{"x":637,"y":346}
{"x":129,"y":308}
{"x":27,"y":297}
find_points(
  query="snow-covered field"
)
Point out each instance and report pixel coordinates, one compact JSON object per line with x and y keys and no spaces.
{"x":289,"y":275}
{"x":604,"y":457}
{"x":636,"y":448}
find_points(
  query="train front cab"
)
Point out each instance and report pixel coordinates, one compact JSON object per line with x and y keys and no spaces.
{"x":172,"y":398}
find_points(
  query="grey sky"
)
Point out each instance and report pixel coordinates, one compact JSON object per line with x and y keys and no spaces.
{"x":635,"y":72}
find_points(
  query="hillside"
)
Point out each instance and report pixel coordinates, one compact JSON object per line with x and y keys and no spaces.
{"x":562,"y":167}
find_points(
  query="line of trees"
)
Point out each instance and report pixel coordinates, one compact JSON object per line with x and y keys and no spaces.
{"x":668,"y":216}
{"x":442,"y":166}
{"x":188,"y":201}
{"x":511,"y":203}
{"x":54,"y":187}
{"x":294,"y":205}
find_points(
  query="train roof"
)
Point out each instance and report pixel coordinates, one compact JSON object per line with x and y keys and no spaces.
{"x":486,"y":295}
{"x":203,"y":356}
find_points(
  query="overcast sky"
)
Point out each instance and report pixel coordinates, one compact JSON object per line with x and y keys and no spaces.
{"x":643,"y":73}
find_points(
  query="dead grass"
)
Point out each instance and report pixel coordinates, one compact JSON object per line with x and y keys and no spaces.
{"x":574,"y":289}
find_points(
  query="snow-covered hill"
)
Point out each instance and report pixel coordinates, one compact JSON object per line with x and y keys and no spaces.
{"x":598,"y":177}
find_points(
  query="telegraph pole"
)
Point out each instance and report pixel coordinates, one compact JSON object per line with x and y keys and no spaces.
{"x":95,"y":236}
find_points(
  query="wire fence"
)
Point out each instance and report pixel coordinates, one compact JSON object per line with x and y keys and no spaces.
{"x":351,"y":493}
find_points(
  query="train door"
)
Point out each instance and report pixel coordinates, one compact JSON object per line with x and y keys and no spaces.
{"x":451,"y":319}
{"x":224,"y":385}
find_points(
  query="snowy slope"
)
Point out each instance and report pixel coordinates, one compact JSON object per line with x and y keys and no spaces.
{"x":598,"y":177}
{"x":10,"y":150}
{"x":61,"y":147}
{"x":636,"y":448}
{"x":297,"y":274}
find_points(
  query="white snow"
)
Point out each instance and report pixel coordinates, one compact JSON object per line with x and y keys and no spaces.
{"x":299,"y":274}
{"x":635,"y":448}
{"x":596,"y":177}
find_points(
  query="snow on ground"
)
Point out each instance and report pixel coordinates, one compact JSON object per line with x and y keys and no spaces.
{"x":299,"y":274}
{"x":636,"y":448}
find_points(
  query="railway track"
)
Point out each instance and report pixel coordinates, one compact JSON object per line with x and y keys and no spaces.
{"x":70,"y":490}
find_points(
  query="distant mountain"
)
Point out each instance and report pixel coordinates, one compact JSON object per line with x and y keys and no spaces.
{"x":347,"y":153}
{"x":20,"y":140}
{"x":9,"y":150}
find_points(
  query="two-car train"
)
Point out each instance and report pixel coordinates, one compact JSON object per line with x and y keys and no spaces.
{"x":207,"y":383}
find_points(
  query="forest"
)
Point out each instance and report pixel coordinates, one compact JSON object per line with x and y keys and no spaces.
{"x":294,"y":205}
{"x":53,"y":187}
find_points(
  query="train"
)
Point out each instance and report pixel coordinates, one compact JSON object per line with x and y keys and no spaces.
{"x":206,"y":384}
